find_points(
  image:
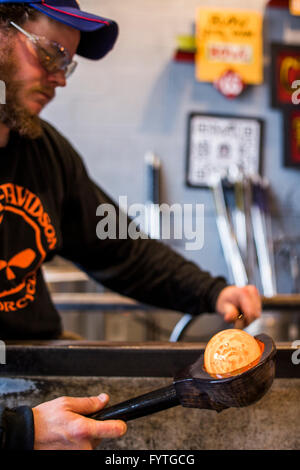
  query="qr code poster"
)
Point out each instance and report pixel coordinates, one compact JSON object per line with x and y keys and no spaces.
{"x":221,"y":145}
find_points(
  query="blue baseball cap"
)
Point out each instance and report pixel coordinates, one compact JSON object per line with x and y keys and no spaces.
{"x":98,"y":35}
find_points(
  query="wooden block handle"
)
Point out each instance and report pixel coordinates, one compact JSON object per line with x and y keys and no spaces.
{"x":142,"y":405}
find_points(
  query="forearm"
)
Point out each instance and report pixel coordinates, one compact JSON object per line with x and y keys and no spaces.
{"x":152,"y":273}
{"x":144,"y":269}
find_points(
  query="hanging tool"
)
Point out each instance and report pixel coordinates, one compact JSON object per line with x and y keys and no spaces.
{"x":230,"y":247}
{"x":152,"y":213}
{"x":262,"y":235}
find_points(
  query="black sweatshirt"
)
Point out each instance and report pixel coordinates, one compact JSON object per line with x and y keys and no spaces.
{"x":48,"y":207}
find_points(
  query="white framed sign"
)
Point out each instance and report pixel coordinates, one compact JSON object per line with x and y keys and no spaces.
{"x":219,"y":144}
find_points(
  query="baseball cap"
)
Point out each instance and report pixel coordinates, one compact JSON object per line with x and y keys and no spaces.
{"x":98,"y":35}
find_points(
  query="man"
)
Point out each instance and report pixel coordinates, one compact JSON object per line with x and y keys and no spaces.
{"x":48,"y":206}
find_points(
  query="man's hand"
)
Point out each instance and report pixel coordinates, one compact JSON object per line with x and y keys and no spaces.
{"x":234,"y":300}
{"x":58,"y":424}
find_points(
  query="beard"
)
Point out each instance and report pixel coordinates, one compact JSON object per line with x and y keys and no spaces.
{"x":13,"y":114}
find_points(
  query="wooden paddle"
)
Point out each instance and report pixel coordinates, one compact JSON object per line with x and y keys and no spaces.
{"x":195,"y":388}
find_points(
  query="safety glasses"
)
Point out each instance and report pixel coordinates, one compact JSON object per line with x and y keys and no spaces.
{"x":52,"y":55}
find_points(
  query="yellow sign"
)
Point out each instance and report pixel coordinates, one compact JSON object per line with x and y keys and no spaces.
{"x":295,"y":7}
{"x":228,"y":39}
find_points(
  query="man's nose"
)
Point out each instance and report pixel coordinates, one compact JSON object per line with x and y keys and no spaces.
{"x":57,"y":79}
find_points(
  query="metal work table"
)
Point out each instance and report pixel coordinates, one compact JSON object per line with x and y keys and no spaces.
{"x":86,"y":358}
{"x":111,"y":301}
{"x":93,"y":302}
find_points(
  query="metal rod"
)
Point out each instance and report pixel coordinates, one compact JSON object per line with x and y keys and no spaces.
{"x":152,"y":222}
{"x":259,"y":214}
{"x":231,"y":251}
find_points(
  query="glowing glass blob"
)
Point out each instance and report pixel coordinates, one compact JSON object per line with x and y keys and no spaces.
{"x":231,"y":351}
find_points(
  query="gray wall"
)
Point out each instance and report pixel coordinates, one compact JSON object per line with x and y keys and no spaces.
{"x":137,"y":99}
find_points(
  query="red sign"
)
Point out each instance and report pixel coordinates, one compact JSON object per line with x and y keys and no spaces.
{"x":278,"y":3}
{"x":285,"y":75}
{"x":230,"y":84}
{"x":292,"y":138}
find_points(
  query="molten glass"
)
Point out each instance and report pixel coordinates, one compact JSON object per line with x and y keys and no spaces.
{"x":231,"y":351}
